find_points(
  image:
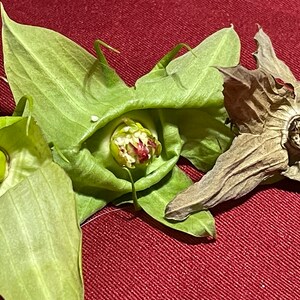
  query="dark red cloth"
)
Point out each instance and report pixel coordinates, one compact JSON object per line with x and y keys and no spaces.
{"x":256,"y":255}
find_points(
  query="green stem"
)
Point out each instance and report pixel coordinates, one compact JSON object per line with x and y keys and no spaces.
{"x":100,"y":55}
{"x":134,"y":195}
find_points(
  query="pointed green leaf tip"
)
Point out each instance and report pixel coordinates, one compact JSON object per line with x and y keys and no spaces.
{"x":4,"y":16}
{"x":3,"y":13}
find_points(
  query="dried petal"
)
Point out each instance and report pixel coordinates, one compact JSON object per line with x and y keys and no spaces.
{"x":250,"y":160}
{"x":248,"y":96}
{"x":293,"y":172}
{"x":268,"y":61}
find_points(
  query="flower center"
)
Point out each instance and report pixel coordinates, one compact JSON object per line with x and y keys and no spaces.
{"x":133,"y":145}
{"x":294,"y":132}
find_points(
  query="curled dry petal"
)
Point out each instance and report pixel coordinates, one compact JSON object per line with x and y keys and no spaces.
{"x":249,"y":95}
{"x":250,"y":160}
{"x":293,"y":172}
{"x":267,"y":60}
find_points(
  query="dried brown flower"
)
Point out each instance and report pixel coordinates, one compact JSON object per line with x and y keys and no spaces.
{"x":266,"y":112}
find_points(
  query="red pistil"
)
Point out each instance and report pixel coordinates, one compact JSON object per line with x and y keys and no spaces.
{"x":142,"y":152}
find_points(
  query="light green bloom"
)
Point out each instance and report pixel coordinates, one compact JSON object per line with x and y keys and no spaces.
{"x":133,"y":145}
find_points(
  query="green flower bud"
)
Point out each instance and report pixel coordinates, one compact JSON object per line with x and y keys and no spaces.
{"x":3,"y":165}
{"x":133,"y":145}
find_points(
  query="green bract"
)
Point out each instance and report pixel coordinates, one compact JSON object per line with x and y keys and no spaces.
{"x":4,"y":159}
{"x":39,"y":232}
{"x":24,"y":152}
{"x":79,"y":101}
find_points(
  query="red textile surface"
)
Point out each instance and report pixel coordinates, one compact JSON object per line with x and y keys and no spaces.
{"x":256,"y":255}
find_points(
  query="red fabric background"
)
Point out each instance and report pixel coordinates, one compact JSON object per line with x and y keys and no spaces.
{"x":256,"y":255}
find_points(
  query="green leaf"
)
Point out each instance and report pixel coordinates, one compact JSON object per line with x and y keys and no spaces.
{"x":198,"y":83}
{"x":155,"y":201}
{"x":205,"y":138}
{"x":40,"y":238}
{"x":67,"y":83}
{"x":78,"y":101}
{"x":103,"y":179}
{"x":192,"y":81}
{"x":87,"y":206}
